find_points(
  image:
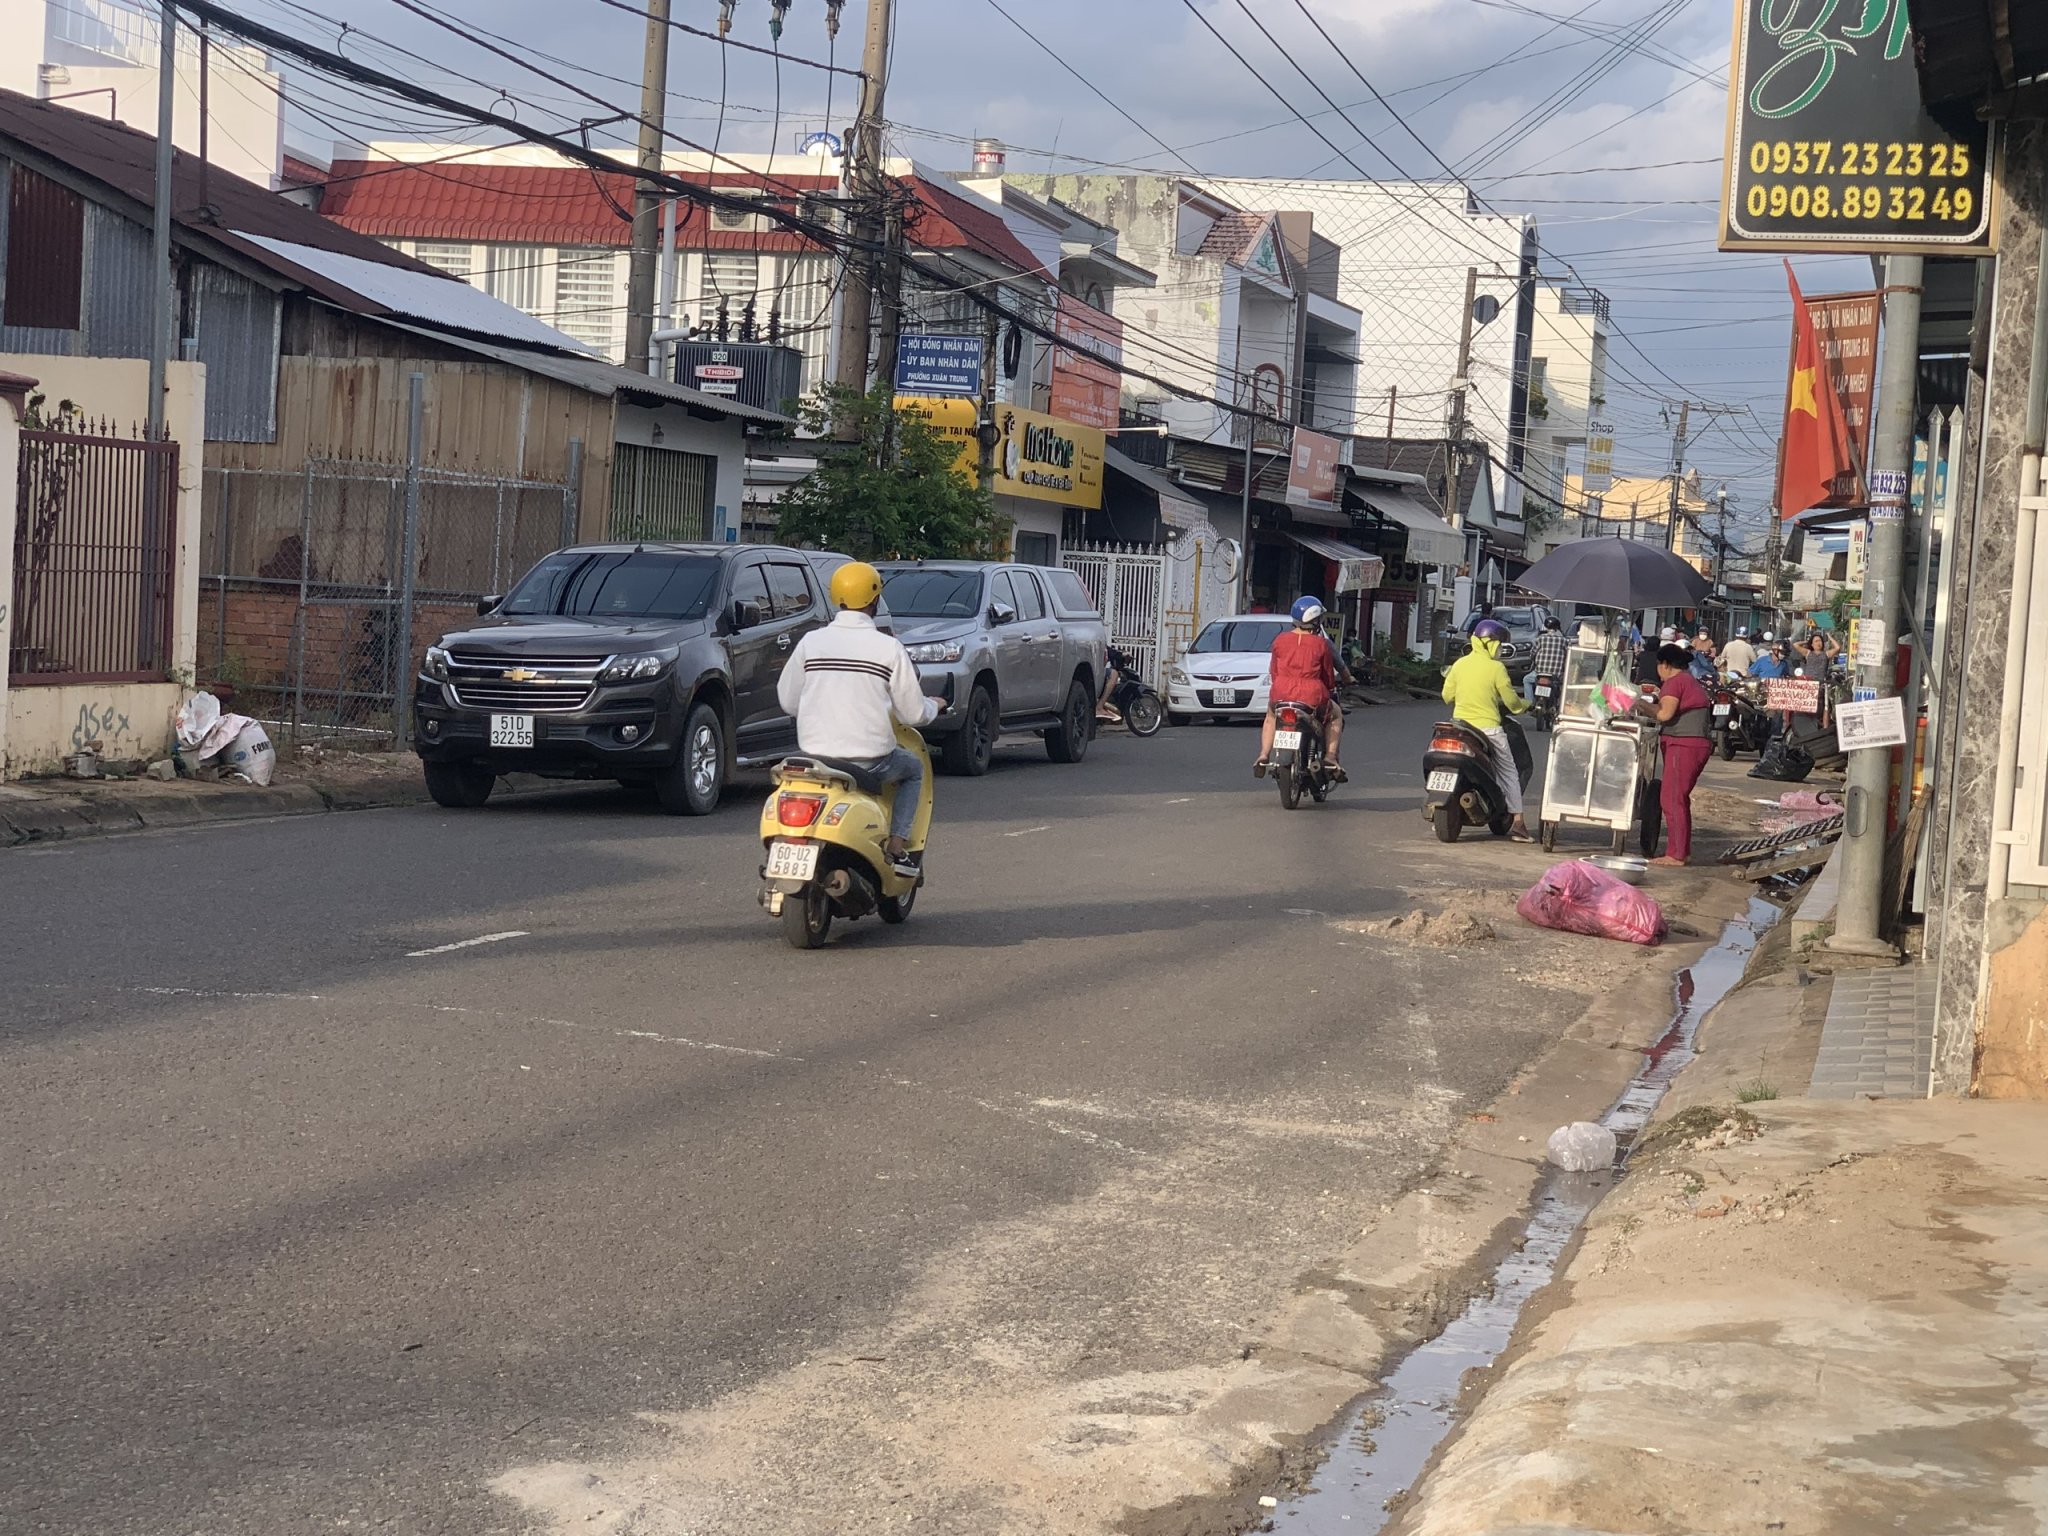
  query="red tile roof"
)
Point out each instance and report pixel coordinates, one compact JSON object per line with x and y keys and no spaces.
{"x":561,"y":205}
{"x":1230,"y":235}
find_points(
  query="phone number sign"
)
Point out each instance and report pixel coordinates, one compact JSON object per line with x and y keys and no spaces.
{"x":1829,"y":147}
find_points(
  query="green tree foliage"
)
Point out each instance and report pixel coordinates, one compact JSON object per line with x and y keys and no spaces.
{"x":894,"y":494}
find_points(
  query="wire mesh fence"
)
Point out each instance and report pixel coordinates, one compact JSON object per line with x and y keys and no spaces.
{"x":323,"y":585}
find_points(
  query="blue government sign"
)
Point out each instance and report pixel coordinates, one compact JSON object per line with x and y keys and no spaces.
{"x":938,"y":363}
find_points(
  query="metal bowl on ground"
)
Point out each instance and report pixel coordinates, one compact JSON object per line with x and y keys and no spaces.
{"x":1623,"y":866}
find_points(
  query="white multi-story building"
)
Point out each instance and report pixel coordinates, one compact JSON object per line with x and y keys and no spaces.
{"x":1406,"y":250}
{"x":101,"y":56}
{"x":1567,"y":384}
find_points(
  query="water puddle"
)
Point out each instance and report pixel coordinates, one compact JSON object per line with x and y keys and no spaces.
{"x":1390,"y":1436}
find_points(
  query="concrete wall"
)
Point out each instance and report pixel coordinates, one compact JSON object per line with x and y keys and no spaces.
{"x":40,"y":724}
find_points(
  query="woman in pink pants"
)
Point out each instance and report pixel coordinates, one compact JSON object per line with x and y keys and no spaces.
{"x":1685,"y":713}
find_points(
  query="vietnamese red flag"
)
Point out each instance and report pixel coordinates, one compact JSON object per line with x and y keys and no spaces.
{"x":1816,"y":443}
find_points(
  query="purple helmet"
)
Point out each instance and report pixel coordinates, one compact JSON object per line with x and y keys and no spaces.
{"x":1490,"y":629}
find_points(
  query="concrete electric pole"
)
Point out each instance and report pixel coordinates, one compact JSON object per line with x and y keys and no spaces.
{"x":865,"y":228}
{"x":1678,"y":439}
{"x":645,"y":255}
{"x":1859,"y":914}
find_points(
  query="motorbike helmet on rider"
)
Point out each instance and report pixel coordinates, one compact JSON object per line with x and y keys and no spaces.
{"x":1307,"y":611}
{"x":856,"y":584}
{"x":1490,"y":629}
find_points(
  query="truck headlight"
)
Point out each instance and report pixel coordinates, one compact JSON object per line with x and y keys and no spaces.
{"x":935,"y":650}
{"x":626,"y":669}
{"x":436,"y":664}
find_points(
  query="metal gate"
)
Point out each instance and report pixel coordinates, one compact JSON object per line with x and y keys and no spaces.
{"x":1129,"y":586}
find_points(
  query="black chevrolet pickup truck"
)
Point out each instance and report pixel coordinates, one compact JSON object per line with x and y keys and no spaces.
{"x":649,"y":664}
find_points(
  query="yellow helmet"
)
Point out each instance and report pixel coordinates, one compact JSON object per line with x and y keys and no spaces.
{"x":856,"y":585}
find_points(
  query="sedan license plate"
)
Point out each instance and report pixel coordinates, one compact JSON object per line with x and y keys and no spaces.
{"x":792,"y":861}
{"x":1543,"y":690}
{"x":511,"y":730}
{"x":1287,"y":741}
{"x":1229,"y":696}
{"x":1720,"y":710}
{"x":1442,"y":782}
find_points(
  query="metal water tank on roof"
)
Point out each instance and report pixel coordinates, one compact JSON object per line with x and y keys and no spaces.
{"x":750,"y":372}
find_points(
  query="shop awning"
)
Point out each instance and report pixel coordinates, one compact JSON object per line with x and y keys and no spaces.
{"x":1431,"y":540}
{"x":1177,"y":509}
{"x":1358,"y":570}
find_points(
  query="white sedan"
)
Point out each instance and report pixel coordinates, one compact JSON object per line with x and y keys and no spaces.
{"x":1227,"y":672}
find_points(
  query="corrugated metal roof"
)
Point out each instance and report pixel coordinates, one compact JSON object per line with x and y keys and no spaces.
{"x":441,"y":301}
{"x":607,"y":379}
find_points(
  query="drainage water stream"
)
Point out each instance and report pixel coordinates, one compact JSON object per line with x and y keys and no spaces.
{"x":1389,"y":1437}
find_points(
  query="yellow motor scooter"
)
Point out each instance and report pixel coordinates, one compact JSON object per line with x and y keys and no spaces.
{"x":823,"y":828}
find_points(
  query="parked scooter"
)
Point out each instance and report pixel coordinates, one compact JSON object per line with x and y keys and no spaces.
{"x":823,"y":828}
{"x":1545,"y":689}
{"x":1139,"y":703}
{"x":1741,"y":723}
{"x":1458,"y":777}
{"x":1297,"y":760}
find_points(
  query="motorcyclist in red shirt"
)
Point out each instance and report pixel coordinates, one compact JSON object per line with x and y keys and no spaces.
{"x":1304,"y":671}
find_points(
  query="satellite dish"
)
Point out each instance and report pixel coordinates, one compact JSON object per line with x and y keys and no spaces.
{"x":1486,"y":309}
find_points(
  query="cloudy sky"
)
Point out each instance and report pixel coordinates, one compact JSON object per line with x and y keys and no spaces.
{"x":1601,"y":118}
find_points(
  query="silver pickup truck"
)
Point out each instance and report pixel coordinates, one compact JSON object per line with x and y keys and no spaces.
{"x":1012,"y":647}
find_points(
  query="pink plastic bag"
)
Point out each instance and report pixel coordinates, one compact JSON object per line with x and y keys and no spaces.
{"x":1578,"y":897}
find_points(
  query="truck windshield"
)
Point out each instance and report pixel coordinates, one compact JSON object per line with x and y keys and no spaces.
{"x":932,"y":594}
{"x":1241,"y":635}
{"x":638,"y":584}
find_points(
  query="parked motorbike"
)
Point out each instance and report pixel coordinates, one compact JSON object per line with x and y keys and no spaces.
{"x":1139,"y":703}
{"x":1297,"y":760}
{"x":1459,"y":780}
{"x":1546,"y":691}
{"x":823,"y":829}
{"x":1741,"y":723}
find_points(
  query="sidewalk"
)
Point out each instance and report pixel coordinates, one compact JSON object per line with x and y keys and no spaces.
{"x":1795,"y":1314}
{"x":49,"y":810}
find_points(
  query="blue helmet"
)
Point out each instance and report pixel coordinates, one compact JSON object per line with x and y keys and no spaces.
{"x":1307,"y":612}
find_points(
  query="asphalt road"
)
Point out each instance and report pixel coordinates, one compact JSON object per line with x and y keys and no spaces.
{"x":304,"y":1228}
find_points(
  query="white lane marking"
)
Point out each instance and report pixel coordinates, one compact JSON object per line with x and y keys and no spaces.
{"x":489,"y":938}
{"x":1183,"y":800}
{"x":1027,"y":831}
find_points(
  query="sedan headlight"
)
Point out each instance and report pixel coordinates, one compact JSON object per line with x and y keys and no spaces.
{"x":1177,"y":676}
{"x":626,"y":669}
{"x":436,"y":664}
{"x":935,"y":650}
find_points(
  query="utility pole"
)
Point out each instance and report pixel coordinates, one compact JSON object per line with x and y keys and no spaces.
{"x":864,"y":189}
{"x":1859,"y":914}
{"x":1454,"y":443}
{"x":641,"y":264}
{"x":164,"y":305}
{"x":1774,"y":547}
{"x":1677,"y":471}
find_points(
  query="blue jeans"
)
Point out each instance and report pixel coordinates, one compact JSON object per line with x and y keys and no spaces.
{"x":906,"y":771}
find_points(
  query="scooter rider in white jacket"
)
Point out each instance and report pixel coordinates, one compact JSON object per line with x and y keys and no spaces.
{"x":846,"y":685}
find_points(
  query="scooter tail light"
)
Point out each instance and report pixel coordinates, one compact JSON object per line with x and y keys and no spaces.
{"x":798,"y":810}
{"x":1289,"y":718}
{"x":1449,"y":744}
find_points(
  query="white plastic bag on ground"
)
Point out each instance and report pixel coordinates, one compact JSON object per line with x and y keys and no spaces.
{"x":196,"y":716}
{"x":221,"y":737}
{"x":251,"y":754}
{"x":1582,"y":1147}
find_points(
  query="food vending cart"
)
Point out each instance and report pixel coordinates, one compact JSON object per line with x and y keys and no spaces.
{"x":1598,"y":759}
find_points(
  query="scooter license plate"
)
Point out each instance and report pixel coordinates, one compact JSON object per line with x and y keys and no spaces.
{"x":792,"y":861}
{"x":1287,"y":741}
{"x":1721,"y":711}
{"x":1543,"y":690}
{"x":1442,"y":782}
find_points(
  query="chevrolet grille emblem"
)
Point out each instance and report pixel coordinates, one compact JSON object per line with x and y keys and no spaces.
{"x":519,"y":675}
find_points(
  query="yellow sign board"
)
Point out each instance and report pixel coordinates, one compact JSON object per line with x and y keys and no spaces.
{"x":1039,"y":457}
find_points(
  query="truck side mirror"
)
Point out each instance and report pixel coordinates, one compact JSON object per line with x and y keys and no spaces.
{"x":488,"y":605}
{"x":1002,"y":613}
{"x":746,"y":615}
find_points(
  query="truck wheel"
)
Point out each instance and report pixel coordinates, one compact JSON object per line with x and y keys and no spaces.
{"x":459,"y":786}
{"x":1067,"y":742}
{"x":693,"y":785}
{"x":969,"y":750}
{"x":1449,"y":821}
